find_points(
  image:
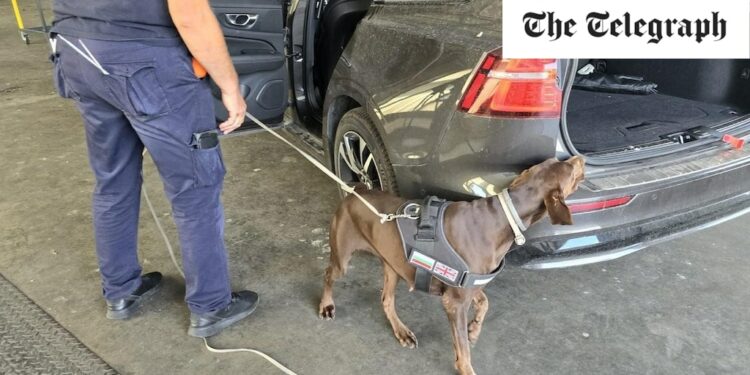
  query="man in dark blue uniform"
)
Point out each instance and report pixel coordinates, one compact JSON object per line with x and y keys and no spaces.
{"x":127,"y":64}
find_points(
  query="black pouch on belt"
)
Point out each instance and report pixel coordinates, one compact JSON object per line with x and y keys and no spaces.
{"x":205,"y":140}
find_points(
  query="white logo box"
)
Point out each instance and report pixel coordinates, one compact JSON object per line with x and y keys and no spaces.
{"x":722,"y":26}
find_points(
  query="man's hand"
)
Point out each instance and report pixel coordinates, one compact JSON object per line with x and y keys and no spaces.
{"x":236,"y":106}
{"x":199,"y":29}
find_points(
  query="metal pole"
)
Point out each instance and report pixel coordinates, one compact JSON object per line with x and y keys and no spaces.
{"x":17,"y":13}
{"x":41,"y":15}
{"x":19,"y":21}
{"x":45,"y":28}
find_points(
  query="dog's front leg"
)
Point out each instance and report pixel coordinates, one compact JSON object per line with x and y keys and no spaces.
{"x":456,"y":303}
{"x":404,"y":335}
{"x":481,"y":305}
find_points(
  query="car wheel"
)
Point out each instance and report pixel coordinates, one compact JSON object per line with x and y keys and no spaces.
{"x":360,"y":156}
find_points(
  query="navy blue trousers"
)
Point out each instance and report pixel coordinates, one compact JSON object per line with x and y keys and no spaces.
{"x":150,"y":98}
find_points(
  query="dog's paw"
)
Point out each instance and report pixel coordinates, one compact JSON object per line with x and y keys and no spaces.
{"x":327,"y":312}
{"x":407,"y":338}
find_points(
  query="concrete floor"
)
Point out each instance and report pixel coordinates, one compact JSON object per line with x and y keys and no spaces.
{"x":678,"y":308}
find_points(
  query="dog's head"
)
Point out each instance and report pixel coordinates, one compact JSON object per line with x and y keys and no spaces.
{"x":548,"y":184}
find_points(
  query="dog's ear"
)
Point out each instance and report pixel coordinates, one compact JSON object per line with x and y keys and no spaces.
{"x":518,"y":181}
{"x":558,"y":210}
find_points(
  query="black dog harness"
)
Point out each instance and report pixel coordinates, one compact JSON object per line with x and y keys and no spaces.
{"x":428,"y":250}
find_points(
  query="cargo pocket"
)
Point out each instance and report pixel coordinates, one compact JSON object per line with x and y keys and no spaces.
{"x":208,"y":167}
{"x":58,"y":78}
{"x":136,"y":87}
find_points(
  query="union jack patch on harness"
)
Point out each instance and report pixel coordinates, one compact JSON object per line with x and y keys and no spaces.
{"x":445,"y":271}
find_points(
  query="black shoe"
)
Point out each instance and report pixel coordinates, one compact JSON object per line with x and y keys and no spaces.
{"x":125,"y":308}
{"x":204,"y":325}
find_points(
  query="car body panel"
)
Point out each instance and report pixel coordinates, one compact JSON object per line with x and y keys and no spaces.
{"x":414,"y":72}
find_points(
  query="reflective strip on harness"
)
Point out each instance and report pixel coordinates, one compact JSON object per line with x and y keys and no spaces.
{"x":427,"y":249}
{"x":483,"y":282}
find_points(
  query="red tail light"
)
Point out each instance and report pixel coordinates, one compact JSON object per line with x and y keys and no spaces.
{"x":600,"y":205}
{"x":514,"y":88}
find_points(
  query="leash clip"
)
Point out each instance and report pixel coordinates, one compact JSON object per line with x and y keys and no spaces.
{"x":412,"y":210}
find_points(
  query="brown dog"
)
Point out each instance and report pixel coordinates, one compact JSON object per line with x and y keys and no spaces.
{"x":479,"y":231}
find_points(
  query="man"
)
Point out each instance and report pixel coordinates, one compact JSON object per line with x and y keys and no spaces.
{"x":128,"y":66}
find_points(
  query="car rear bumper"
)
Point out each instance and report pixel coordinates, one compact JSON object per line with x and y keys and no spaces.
{"x":611,"y":243}
{"x":674,"y":205}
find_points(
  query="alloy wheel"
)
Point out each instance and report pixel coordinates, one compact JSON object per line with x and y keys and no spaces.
{"x":355,"y":162}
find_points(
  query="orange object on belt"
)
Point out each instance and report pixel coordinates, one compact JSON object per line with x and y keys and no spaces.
{"x":199,"y":70}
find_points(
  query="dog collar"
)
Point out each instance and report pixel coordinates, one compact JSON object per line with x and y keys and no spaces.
{"x":513,"y":219}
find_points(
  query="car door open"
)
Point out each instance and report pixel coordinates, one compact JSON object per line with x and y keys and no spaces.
{"x":254,"y":31}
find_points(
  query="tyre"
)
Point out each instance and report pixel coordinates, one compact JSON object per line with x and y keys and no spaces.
{"x":360,"y":155}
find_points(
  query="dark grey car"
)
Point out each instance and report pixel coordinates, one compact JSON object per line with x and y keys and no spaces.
{"x":414,"y":97}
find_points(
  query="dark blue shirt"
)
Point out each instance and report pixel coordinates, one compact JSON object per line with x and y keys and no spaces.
{"x":145,"y":20}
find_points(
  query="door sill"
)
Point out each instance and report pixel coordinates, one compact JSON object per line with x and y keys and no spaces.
{"x":305,"y":137}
